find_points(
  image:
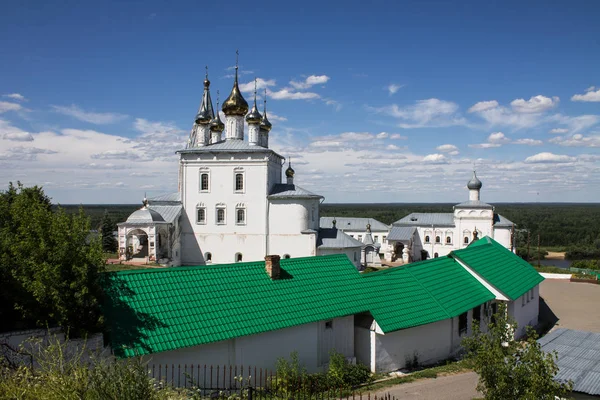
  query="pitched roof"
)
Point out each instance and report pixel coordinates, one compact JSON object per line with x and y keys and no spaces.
{"x":169,"y":213}
{"x":166,"y":309}
{"x":505,"y":271}
{"x":401,"y":233}
{"x":332,"y":238}
{"x":499,"y":221}
{"x":284,"y":190}
{"x":427,"y":219}
{"x":166,"y":198}
{"x":354,"y":224}
{"x":422,"y":293}
{"x":578,"y":358}
{"x":229,"y":146}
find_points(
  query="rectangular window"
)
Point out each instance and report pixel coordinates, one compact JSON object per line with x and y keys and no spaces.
{"x":532,"y":294}
{"x":220,"y":216}
{"x":376,"y":239}
{"x":462,"y":323}
{"x":201,"y":215}
{"x":360,"y":238}
{"x":329,"y":325}
{"x":525,"y":296}
{"x":204,"y":181}
{"x":240,"y":218}
{"x":384,"y":239}
{"x":477,"y":314}
{"x":239,"y":182}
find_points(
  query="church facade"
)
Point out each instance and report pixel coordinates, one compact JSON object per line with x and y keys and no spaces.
{"x":232,"y":205}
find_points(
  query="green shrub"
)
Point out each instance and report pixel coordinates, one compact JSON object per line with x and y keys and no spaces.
{"x":342,"y":374}
{"x":586,"y":264}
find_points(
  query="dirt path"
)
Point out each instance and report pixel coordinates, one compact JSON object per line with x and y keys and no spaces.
{"x":450,"y":387}
{"x":555,"y":255}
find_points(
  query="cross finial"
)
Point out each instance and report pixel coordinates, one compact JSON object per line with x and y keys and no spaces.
{"x":237,"y":54}
{"x":265,"y":109}
{"x":217,"y":101}
{"x":206,"y":67}
{"x":255,"y":79}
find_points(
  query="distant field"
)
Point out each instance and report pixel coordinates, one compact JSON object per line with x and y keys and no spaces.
{"x":559,"y":224}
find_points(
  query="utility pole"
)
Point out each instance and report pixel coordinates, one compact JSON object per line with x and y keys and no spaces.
{"x":539,"y":250}
{"x":528,"y":234}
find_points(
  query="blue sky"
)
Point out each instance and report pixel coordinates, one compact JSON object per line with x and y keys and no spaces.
{"x":374,"y":102}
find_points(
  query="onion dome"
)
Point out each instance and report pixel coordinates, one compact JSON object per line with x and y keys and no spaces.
{"x":216,"y":125}
{"x":205,"y":113}
{"x":235,"y":103}
{"x":265,"y":125}
{"x":254,"y":116}
{"x":289,"y":172}
{"x":474,"y":183}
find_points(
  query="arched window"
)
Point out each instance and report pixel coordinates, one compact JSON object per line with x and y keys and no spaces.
{"x":286,"y":256}
{"x":200,"y":214}
{"x":204,"y":181}
{"x":435,"y":255}
{"x":438,"y":239}
{"x":427,"y":239}
{"x":466,"y":240}
{"x":220,"y":220}
{"x":238,"y":257}
{"x":208,"y":257}
{"x":240,"y":218}
{"x":448,"y":240}
{"x":239,"y":182}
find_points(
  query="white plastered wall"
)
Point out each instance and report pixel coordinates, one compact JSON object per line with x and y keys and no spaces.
{"x":525,"y":310}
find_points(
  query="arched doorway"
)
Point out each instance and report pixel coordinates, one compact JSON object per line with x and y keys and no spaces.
{"x":398,"y":250}
{"x":137,"y":244}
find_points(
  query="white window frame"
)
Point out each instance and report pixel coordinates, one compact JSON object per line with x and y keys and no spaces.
{"x":376,"y":239}
{"x":239,"y":208}
{"x":203,"y":171}
{"x":236,"y":171}
{"x":199,"y":207}
{"x":383,"y":239}
{"x":224,"y":208}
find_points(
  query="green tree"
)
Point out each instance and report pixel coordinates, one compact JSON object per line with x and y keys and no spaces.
{"x":109,"y":244}
{"x":510,"y":369}
{"x":49,"y":264}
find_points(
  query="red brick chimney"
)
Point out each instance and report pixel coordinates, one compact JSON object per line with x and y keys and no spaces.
{"x":272,"y":266}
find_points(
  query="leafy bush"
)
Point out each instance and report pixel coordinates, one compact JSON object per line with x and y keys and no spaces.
{"x":342,"y":374}
{"x":582,"y":253}
{"x":586,"y":264}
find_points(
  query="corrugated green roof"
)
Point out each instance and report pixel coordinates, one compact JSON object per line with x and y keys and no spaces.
{"x":165,"y":309}
{"x":422,"y":293}
{"x":505,"y":271}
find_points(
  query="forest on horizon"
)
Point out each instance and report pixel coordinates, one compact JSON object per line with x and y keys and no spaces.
{"x":558,"y":224}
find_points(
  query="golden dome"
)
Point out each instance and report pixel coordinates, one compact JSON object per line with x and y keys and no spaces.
{"x":235,"y":103}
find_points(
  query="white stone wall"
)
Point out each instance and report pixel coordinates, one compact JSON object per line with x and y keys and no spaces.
{"x":224,"y":241}
{"x":431,"y":343}
{"x":525,"y":310}
{"x":263,"y":350}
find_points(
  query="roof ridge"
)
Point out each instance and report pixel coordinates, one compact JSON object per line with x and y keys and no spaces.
{"x":429,"y":293}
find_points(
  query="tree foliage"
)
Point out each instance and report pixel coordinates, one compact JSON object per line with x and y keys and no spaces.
{"x":109,"y":244}
{"x":509,"y":369}
{"x":49,"y":265}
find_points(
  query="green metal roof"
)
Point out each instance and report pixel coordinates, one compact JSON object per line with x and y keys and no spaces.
{"x":166,"y":309}
{"x":505,"y":271}
{"x":422,"y":293}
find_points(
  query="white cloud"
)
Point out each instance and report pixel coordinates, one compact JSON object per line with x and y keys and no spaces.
{"x":558,"y":131}
{"x":6,"y":106}
{"x":483,"y":105}
{"x":425,"y":113}
{"x":485,"y":145}
{"x":333,"y":103}
{"x":536,"y":104}
{"x":91,"y":117}
{"x":528,"y":142}
{"x":546,"y":157}
{"x":435,"y":159}
{"x":392,"y":147}
{"x":310,"y":81}
{"x":393,"y":88}
{"x":448,"y":148}
{"x":498,"y":137}
{"x":24,"y":153}
{"x":577,"y":140}
{"x":397,"y":136}
{"x":591,"y":94}
{"x":15,"y":96}
{"x":12,"y":133}
{"x":275,"y":117}
{"x":260,"y":84}
{"x":286,"y":94}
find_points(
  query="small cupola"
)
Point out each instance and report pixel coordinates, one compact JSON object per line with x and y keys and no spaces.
{"x":235,"y":104}
{"x":474,"y":187}
{"x":289,"y":173}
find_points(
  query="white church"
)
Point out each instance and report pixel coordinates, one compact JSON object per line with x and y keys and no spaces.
{"x":233,"y":206}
